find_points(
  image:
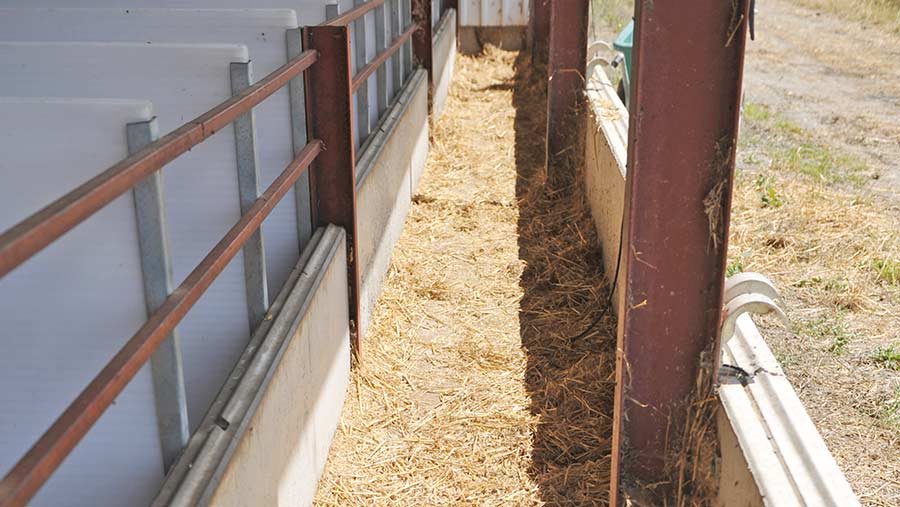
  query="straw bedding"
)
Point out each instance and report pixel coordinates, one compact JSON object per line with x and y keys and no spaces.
{"x":471,"y":391}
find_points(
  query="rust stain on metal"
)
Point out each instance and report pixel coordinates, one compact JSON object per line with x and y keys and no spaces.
{"x":565,"y":74}
{"x":330,"y":117}
{"x":34,"y":233}
{"x":686,"y":90}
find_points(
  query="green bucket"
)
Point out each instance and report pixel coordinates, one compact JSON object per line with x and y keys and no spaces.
{"x":623,"y":45}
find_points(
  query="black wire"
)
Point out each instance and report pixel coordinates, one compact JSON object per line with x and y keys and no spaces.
{"x":612,"y":287}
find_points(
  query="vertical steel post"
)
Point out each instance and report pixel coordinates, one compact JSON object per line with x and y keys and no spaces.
{"x":682,"y":134}
{"x":421,"y":39}
{"x":565,"y":73}
{"x":254,"y":253}
{"x":333,"y":174}
{"x":156,"y":268}
{"x":298,"y":139}
{"x":381,"y":42}
{"x":405,"y":22}
{"x":396,"y":69}
{"x":362,"y":93}
{"x":539,"y":26}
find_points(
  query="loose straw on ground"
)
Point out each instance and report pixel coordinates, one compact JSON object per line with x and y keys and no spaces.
{"x":471,"y":392}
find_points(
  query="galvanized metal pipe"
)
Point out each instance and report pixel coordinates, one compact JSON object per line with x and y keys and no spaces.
{"x":254,"y":255}
{"x":156,"y":269}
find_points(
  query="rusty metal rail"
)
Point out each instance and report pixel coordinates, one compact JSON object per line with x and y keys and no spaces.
{"x":30,"y":473}
{"x":363,"y":74}
{"x":33,"y":234}
{"x":353,"y":14}
{"x":324,"y":65}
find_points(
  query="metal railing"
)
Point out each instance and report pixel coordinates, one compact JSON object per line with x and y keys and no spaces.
{"x":329,"y":155}
{"x":324,"y":65}
{"x":36,"y":232}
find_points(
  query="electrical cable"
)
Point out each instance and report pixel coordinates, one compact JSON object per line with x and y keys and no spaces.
{"x":612,"y":287}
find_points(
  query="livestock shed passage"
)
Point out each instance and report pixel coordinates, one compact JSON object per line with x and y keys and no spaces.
{"x":472,"y":390}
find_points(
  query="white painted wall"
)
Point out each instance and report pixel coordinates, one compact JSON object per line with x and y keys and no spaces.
{"x":182,"y":81}
{"x":494,"y":12}
{"x":262,"y":31}
{"x":67,"y":310}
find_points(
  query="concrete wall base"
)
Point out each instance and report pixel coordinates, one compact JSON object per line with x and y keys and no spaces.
{"x":605,"y":155}
{"x":443,"y":57}
{"x":388,"y":173}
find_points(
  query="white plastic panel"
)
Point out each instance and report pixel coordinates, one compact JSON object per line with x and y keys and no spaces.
{"x":66,"y":311}
{"x":494,"y":12}
{"x":309,"y":12}
{"x":182,"y":81}
{"x":262,"y":31}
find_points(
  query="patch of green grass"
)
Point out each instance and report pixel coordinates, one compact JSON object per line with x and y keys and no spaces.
{"x":888,"y":270}
{"x":765,"y":187}
{"x":830,"y":329}
{"x":890,"y":409}
{"x":786,"y":126}
{"x":734,"y":267}
{"x":889,"y":357}
{"x":820,"y":163}
{"x":756,"y":112}
{"x":737,"y":265}
{"x":785,"y":359}
{"x":829,"y":284}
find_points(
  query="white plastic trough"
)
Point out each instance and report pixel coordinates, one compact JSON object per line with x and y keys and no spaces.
{"x":201,"y":195}
{"x":67,"y":310}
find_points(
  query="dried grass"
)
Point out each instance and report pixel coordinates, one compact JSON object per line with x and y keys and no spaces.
{"x":470,"y":392}
{"x":820,"y":243}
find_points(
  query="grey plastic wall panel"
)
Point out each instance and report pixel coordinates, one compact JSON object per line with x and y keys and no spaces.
{"x":494,"y":12}
{"x":66,"y":311}
{"x":182,"y":81}
{"x":309,"y":12}
{"x":262,"y":31}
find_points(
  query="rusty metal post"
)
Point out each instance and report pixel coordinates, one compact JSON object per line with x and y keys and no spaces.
{"x":539,"y":26}
{"x":329,"y":114}
{"x":686,"y":95}
{"x":421,"y":17}
{"x":565,"y":74}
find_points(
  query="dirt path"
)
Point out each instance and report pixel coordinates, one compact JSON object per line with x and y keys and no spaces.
{"x":836,"y":78}
{"x":817,"y":209}
{"x":470,"y":392}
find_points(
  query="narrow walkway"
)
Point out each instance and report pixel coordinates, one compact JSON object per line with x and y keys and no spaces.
{"x":471,"y":391}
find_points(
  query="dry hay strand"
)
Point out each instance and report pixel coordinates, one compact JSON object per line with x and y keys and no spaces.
{"x":469,"y":392}
{"x":694,"y":460}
